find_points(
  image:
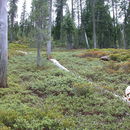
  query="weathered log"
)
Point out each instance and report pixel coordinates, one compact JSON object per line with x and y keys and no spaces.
{"x":59,"y":65}
{"x":105,"y":58}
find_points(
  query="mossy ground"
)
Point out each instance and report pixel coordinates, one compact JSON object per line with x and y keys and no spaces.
{"x":49,"y":98}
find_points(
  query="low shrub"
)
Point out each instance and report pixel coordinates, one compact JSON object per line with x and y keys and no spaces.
{"x":50,"y":98}
{"x":8,"y":117}
{"x":82,"y":89}
{"x":113,"y":67}
{"x":17,"y":46}
{"x":120,"y":57}
{"x":125,"y":67}
{"x":94,"y":54}
{"x":16,"y":49}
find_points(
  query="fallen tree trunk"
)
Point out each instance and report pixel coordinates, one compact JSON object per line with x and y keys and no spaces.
{"x":55,"y":62}
{"x":124,"y":99}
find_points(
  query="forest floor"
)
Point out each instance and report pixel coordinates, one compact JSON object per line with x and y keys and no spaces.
{"x":50,"y":98}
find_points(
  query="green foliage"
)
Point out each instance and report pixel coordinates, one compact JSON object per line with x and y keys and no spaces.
{"x":114,"y":54}
{"x":68,"y":23}
{"x":93,"y":53}
{"x":15,"y":46}
{"x":120,"y":57}
{"x":82,"y":89}
{"x":49,"y":98}
{"x":59,"y":4}
{"x":109,"y":30}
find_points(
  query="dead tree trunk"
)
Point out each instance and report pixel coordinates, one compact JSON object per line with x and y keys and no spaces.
{"x":49,"y":30}
{"x":114,"y":22}
{"x":78,"y":16}
{"x":3,"y":43}
{"x":94,"y":25}
{"x":124,"y":37}
{"x":83,"y":26}
{"x":69,"y":40}
{"x":38,"y":40}
{"x":72,"y":1}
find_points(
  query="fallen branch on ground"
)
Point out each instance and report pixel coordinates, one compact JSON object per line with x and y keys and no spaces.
{"x":59,"y":65}
{"x":22,"y":52}
{"x":124,"y":99}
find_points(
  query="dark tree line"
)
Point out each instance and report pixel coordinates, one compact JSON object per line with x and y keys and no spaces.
{"x":83,"y":24}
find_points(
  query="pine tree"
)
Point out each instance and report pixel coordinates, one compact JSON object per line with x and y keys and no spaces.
{"x":12,"y":16}
{"x":59,"y":19}
{"x":128,"y":26}
{"x":94,"y":25}
{"x":39,"y":18}
{"x":68,"y":26}
{"x":23,"y":18}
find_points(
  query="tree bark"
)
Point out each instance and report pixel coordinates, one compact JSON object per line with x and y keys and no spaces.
{"x":94,"y":25}
{"x":38,"y":53}
{"x":114,"y":22}
{"x":83,"y":26}
{"x":86,"y":39}
{"x":78,"y":16}
{"x":3,"y":43}
{"x":38,"y":42}
{"x":61,"y":17}
{"x":124,"y":27}
{"x":49,"y":29}
{"x":59,"y":65}
{"x":72,"y":9}
{"x":124,"y":37}
{"x":69,"y":40}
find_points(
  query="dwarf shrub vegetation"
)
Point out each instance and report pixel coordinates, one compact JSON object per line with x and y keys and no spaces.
{"x":52,"y":99}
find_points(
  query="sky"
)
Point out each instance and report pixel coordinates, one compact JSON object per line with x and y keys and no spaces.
{"x":28,"y":7}
{"x":20,"y":5}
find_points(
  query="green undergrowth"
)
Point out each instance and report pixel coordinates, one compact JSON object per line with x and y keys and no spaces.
{"x":52,"y":99}
{"x":114,"y":54}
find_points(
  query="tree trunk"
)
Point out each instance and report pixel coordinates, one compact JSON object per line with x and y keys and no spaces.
{"x":94,"y":25}
{"x":49,"y":30}
{"x":69,"y":40}
{"x":38,"y":54}
{"x":124,"y":27}
{"x":38,"y":43}
{"x":124,"y":37}
{"x":61,"y":17}
{"x":78,"y":22}
{"x":113,"y":8}
{"x":72,"y":9}
{"x":86,"y":39}
{"x":83,"y":26}
{"x":3,"y":43}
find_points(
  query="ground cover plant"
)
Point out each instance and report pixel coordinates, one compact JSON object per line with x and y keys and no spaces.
{"x":87,"y":93}
{"x":50,"y":98}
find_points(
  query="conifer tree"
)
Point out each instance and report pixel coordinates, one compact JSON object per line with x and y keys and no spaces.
{"x":39,"y":18}
{"x":23,"y":18}
{"x":12,"y":16}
